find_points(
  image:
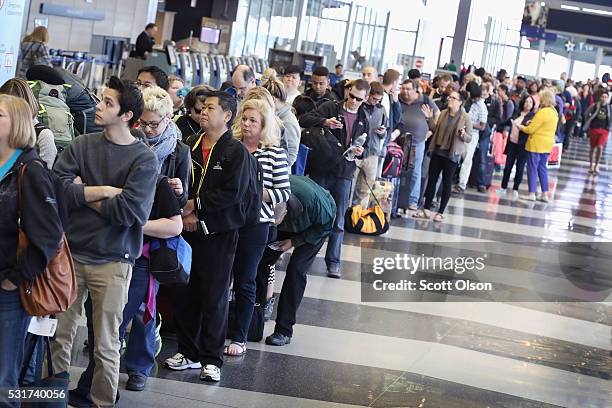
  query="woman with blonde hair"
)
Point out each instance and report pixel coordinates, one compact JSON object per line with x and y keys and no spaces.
{"x":45,"y":142}
{"x":257,"y":127}
{"x":40,"y":221}
{"x":291,"y":135}
{"x":540,"y":142}
{"x":34,"y":51}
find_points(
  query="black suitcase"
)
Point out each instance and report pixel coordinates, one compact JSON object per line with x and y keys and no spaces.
{"x":406,"y":172}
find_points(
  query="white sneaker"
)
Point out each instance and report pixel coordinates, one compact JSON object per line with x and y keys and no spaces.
{"x":529,"y":197}
{"x":210,"y":373}
{"x":543,"y":198}
{"x":179,"y":362}
{"x":515,"y":194}
{"x":501,"y":191}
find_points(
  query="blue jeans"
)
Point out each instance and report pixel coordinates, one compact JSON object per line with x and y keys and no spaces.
{"x":252,"y":242}
{"x":483,"y":150}
{"x":139,"y":357}
{"x":415,"y":179}
{"x":14,"y":323}
{"x":340,"y":189}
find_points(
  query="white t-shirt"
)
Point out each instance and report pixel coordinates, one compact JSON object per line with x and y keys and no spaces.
{"x":291,"y":95}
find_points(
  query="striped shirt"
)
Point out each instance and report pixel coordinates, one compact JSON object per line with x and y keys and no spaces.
{"x":273,"y":161}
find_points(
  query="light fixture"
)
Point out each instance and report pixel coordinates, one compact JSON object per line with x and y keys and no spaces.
{"x":566,"y":7}
{"x":597,"y":11}
{"x":542,"y":4}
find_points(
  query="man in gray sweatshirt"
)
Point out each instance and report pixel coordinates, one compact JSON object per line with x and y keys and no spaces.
{"x":109,"y":181}
{"x":368,"y":165}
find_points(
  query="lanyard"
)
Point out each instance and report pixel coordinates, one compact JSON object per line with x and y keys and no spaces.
{"x":205,"y":164}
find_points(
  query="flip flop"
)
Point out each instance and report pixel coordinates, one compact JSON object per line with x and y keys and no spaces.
{"x":420,"y":214}
{"x":242,"y":347}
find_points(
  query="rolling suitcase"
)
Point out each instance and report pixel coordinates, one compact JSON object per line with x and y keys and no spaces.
{"x":490,"y":167}
{"x":403,"y":197}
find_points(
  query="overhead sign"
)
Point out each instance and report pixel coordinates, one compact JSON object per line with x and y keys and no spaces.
{"x":569,"y":46}
{"x":11,"y":19}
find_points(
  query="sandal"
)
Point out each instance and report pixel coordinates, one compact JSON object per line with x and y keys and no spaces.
{"x":241,"y":346}
{"x":438,"y":217}
{"x":421,"y":214}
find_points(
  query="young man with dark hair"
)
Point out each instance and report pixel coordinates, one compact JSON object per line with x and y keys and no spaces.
{"x":319,"y":87}
{"x":292,"y":78}
{"x":367,"y":167}
{"x":152,"y":76}
{"x":393,"y":110}
{"x":109,"y":179}
{"x":346,"y":121}
{"x":216,"y":210}
{"x":243,"y":79}
{"x":145,"y":41}
{"x":336,"y":76}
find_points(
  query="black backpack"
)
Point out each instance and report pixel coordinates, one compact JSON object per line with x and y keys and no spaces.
{"x":325,"y":151}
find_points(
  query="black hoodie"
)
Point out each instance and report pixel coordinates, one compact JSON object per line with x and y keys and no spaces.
{"x":222,"y":190}
{"x":41,"y":220}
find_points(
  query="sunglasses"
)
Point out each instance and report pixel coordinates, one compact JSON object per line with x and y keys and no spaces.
{"x":355,"y":98}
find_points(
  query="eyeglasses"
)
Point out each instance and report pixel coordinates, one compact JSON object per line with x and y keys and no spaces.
{"x":143,"y":84}
{"x":151,"y":125}
{"x":355,"y":98}
{"x":454,"y":98}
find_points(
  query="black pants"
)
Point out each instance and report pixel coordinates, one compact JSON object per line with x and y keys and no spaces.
{"x":251,"y":244}
{"x":295,"y":281}
{"x":515,"y":153}
{"x":201,"y":307}
{"x":447,"y":167}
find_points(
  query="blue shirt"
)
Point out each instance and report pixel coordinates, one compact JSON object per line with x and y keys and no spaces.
{"x":9,"y":163}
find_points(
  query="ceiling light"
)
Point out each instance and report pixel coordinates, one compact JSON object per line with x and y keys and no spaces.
{"x":566,"y":7}
{"x":597,"y":11}
{"x":542,"y":4}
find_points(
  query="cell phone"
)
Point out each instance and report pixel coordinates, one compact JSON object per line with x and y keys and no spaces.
{"x":275,"y":246}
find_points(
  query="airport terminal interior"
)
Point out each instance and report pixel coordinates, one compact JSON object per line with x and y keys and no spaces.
{"x":472,"y":266}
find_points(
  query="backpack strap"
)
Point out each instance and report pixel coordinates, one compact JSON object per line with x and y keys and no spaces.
{"x":171,"y":164}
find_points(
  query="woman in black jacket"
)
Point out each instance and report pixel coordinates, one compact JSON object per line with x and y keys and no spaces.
{"x":515,"y":148}
{"x":40,"y":221}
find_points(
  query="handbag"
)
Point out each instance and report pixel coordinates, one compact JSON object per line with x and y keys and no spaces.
{"x":55,"y":290}
{"x":256,"y":328}
{"x":366,"y":221}
{"x":170,"y":260}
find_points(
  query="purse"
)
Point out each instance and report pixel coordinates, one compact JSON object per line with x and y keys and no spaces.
{"x":55,"y":290}
{"x":170,"y":260}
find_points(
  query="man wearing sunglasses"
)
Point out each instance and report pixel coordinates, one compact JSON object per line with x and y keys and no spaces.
{"x":345,"y":121}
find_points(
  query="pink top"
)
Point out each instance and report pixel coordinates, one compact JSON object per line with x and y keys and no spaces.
{"x":514,"y":133}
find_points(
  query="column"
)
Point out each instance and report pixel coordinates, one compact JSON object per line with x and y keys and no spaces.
{"x":348,"y":35}
{"x":541,"y":49}
{"x":298,"y":27}
{"x":462,"y":28}
{"x":598,"y":60}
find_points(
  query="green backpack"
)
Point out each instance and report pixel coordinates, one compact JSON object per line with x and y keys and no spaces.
{"x":54,"y":112}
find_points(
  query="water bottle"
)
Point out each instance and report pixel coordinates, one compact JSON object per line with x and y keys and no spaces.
{"x":358,"y":142}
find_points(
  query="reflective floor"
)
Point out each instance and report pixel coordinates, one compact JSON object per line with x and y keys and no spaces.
{"x":434,"y":354}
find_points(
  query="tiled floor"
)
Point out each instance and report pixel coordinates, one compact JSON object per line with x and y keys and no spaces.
{"x":435,"y":354}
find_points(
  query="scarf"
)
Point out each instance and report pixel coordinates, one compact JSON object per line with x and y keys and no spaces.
{"x":163,"y":145}
{"x":445,"y":132}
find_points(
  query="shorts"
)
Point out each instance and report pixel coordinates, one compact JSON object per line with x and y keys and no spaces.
{"x":598,"y":137}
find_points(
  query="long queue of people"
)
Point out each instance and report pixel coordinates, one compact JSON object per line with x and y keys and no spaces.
{"x":218,"y":168}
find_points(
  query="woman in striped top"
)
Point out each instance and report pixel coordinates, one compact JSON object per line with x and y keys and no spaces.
{"x":258,"y":128}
